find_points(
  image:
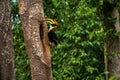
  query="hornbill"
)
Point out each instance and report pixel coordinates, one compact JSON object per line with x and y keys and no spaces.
{"x":52,"y":25}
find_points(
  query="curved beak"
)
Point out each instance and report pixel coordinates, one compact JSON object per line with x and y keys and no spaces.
{"x":51,"y":28}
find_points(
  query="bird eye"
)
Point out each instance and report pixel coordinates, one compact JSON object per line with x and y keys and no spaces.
{"x":54,"y":24}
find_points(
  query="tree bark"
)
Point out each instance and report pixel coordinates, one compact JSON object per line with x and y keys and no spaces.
{"x":6,"y":42}
{"x":36,"y":38}
{"x":112,"y":44}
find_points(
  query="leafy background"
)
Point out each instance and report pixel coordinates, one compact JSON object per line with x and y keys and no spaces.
{"x":79,"y":54}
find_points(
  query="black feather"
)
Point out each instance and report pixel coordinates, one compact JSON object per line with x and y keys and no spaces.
{"x":52,"y":37}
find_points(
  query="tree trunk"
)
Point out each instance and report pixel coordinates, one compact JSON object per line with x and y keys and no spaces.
{"x":36,"y":38}
{"x":112,"y":43}
{"x":6,"y":42}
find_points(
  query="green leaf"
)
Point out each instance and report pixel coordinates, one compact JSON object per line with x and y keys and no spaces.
{"x":91,"y":35}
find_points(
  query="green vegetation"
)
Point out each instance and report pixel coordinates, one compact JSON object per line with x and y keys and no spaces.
{"x":79,"y":54}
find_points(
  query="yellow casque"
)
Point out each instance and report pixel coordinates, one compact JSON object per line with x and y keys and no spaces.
{"x":53,"y":23}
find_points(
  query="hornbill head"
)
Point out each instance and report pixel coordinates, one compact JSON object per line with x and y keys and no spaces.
{"x":53,"y":24}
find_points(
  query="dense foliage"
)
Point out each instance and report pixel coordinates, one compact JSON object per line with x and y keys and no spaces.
{"x":79,"y":54}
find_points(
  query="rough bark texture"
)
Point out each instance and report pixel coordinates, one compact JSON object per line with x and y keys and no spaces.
{"x":6,"y":42}
{"x":112,"y":44}
{"x":36,"y":38}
